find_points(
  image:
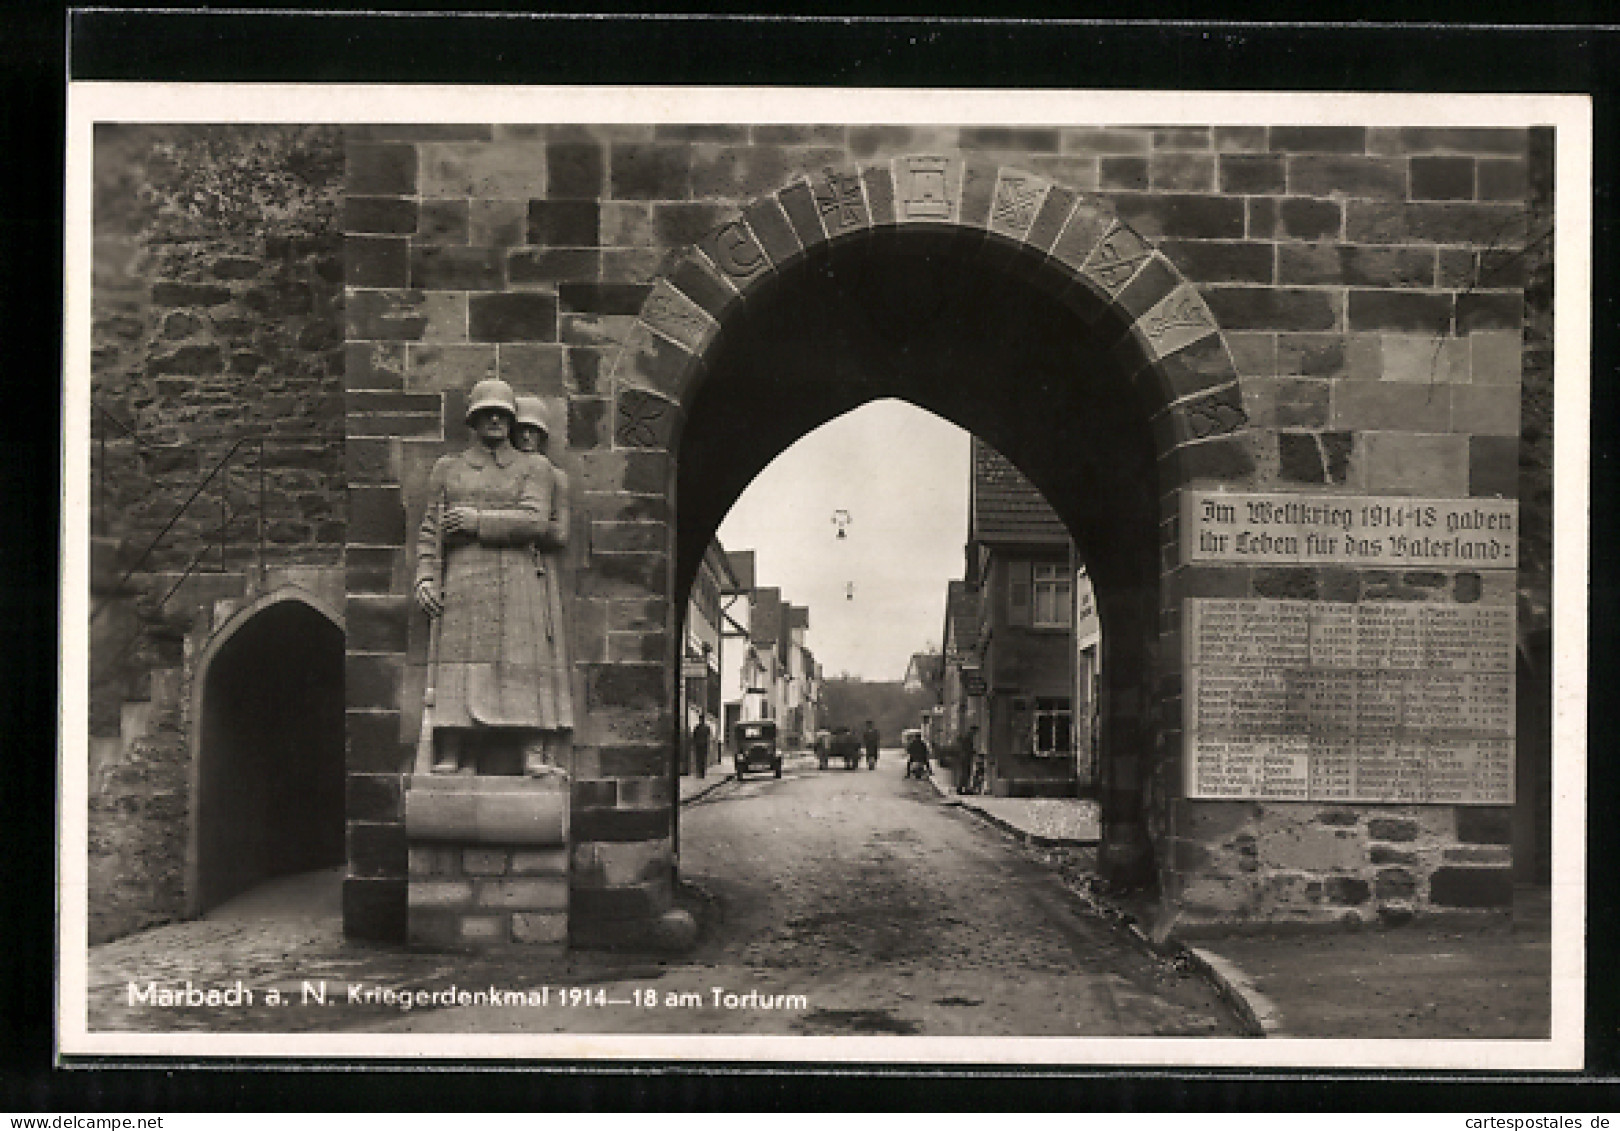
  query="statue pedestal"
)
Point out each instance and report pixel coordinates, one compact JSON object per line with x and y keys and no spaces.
{"x":488,"y":861}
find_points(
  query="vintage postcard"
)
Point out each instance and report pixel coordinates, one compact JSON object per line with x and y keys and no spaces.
{"x":827,"y":576}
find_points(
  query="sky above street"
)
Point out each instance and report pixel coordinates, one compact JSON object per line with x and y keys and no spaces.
{"x":901,"y":474}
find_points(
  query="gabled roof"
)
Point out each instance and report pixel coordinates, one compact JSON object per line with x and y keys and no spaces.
{"x":742,"y":568}
{"x":962,"y":607}
{"x":766,"y":626}
{"x":717,"y":560}
{"x":798,"y":616}
{"x":1006,"y":507}
{"x":926,"y":666}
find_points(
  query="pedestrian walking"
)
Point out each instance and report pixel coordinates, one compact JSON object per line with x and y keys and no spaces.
{"x":871,"y":740}
{"x":969,"y":770}
{"x":700,"y":747}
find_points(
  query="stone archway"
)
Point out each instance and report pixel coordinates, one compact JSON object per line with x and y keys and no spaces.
{"x":1135,"y":397}
{"x":1380,"y":378}
{"x":267,"y":761}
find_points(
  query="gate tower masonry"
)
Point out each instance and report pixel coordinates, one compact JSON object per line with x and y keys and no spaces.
{"x":1268,"y":376}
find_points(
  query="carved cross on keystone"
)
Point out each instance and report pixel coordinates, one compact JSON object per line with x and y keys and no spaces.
{"x":840,"y":200}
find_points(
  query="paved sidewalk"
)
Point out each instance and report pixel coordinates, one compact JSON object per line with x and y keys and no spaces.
{"x":1048,"y":822}
{"x":1492,"y":981}
{"x":693,"y":788}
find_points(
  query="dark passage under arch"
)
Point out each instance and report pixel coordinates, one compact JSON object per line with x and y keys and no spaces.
{"x":998,"y":344}
{"x":980,"y":338}
{"x":270,"y":764}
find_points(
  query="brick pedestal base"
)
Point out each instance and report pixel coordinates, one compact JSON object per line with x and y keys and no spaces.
{"x":488,"y":862}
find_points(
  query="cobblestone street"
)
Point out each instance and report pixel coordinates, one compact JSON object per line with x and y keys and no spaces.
{"x":919,"y":918}
{"x":852,"y":902}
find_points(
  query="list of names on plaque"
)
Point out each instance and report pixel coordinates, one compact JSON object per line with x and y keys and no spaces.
{"x":1326,"y":701}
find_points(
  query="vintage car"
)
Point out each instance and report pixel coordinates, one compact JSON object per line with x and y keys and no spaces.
{"x":754,"y":746}
{"x":843,"y":743}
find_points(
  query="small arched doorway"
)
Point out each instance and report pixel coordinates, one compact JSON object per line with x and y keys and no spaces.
{"x":268,"y":764}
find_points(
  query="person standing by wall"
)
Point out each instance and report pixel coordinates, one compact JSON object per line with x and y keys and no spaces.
{"x":700,"y":747}
{"x":968,"y":772}
{"x":871,"y":740}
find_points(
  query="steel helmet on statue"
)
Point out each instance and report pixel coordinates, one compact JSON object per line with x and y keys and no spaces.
{"x":532,"y":411}
{"x":491,"y":392}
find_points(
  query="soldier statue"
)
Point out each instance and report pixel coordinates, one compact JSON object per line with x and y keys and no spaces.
{"x":531,"y":435}
{"x":498,"y":671}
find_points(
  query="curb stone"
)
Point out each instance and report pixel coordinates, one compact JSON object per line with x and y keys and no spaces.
{"x":1258,"y":1012}
{"x":1255,"y":1012}
{"x":708,"y":789}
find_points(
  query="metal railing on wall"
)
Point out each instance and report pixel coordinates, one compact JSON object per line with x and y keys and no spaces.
{"x":246,"y":452}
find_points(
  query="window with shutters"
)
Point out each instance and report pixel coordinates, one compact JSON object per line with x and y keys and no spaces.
{"x":1054,"y":728}
{"x":1054,"y":596}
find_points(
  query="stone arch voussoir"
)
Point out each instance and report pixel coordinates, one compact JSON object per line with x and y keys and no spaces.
{"x":1070,"y":243}
{"x":280,"y":595}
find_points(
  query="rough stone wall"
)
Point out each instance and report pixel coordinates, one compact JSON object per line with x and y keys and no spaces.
{"x":138,"y":810}
{"x":1536,"y":424}
{"x":1368,"y":281}
{"x":216,"y":312}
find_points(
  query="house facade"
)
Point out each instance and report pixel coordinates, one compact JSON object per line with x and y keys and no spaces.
{"x":740,"y":666}
{"x":1021,"y":560}
{"x":923,"y":672}
{"x":1087,"y":682}
{"x":703,"y":649}
{"x":801,"y":680}
{"x":769,"y":672}
{"x":962,"y":688}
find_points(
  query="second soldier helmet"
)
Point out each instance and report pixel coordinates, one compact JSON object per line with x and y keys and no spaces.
{"x":491,"y":392}
{"x":532,"y":411}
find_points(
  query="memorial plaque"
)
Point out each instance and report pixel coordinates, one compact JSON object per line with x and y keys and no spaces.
{"x":1349,"y":530}
{"x":1404,"y":703}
